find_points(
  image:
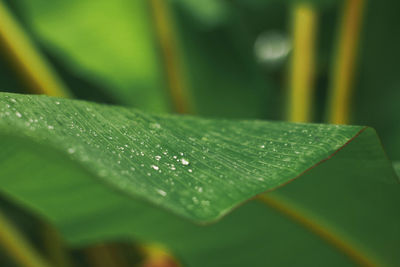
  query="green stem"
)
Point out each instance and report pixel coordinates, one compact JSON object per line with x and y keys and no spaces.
{"x":345,"y":62}
{"x":17,"y":247}
{"x":301,"y":81}
{"x":31,"y":64}
{"x":164,"y":28}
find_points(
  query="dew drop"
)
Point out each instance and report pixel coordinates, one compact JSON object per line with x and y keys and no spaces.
{"x":18,"y":114}
{"x":184,"y":161}
{"x":155,"y":126}
{"x":155,"y":167}
{"x":157,"y":157}
{"x":161,"y":192}
{"x":205,"y":203}
{"x":51,"y":127}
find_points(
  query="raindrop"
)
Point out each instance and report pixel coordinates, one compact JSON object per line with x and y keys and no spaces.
{"x":155,"y":126}
{"x":205,"y":203}
{"x":155,"y":167}
{"x":161,"y":192}
{"x":185,"y":162}
{"x":157,"y":157}
{"x":18,"y":114}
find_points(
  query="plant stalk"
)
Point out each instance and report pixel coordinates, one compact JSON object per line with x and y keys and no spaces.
{"x":101,"y":255}
{"x":55,"y":248}
{"x":157,"y":255}
{"x":345,"y":62}
{"x":302,"y":69}
{"x":173,"y":63}
{"x":30,"y":63}
{"x":17,"y":247}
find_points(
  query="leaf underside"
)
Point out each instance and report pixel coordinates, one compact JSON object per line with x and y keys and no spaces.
{"x":111,"y":168}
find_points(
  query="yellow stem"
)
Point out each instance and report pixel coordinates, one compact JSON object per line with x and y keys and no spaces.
{"x":164,"y":28}
{"x":33,"y":67}
{"x":301,"y":81}
{"x":102,"y":255}
{"x":55,"y":247}
{"x":286,"y":208}
{"x":17,"y":247}
{"x":157,"y":255}
{"x":345,"y":62}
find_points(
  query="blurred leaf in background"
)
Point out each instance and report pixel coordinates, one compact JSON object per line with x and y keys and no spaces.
{"x":108,"y":43}
{"x":377,"y":97}
{"x":114,"y":45}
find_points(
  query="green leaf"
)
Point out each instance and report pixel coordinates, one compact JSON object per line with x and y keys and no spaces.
{"x":197,"y":168}
{"x":108,"y":43}
{"x":100,"y":172}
